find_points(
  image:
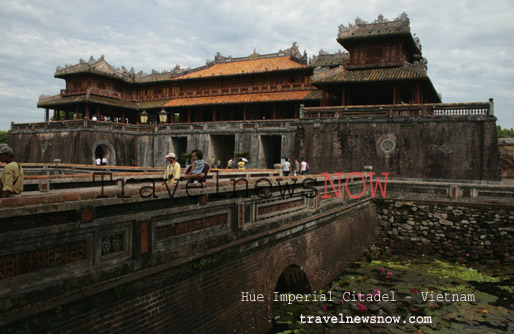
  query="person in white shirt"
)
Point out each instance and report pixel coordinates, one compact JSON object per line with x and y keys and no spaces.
{"x":304,"y":167}
{"x":286,"y":167}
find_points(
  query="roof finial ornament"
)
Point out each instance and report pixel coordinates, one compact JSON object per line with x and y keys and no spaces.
{"x":254,"y":53}
{"x":359,"y":21}
{"x":380,"y":19}
{"x":403,"y":17}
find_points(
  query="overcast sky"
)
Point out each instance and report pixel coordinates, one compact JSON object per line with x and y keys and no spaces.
{"x":469,"y":44}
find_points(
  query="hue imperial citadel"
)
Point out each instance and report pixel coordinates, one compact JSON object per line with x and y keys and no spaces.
{"x":371,"y":104}
{"x":112,"y":248}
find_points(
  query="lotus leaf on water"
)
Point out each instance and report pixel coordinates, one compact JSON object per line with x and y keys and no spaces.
{"x":419,"y":285}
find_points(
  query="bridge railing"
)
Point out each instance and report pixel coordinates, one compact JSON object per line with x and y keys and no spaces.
{"x":162,"y":127}
{"x":399,"y":110}
{"x":470,"y":192}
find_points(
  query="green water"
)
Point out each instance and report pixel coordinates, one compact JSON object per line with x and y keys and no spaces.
{"x":443,"y":297}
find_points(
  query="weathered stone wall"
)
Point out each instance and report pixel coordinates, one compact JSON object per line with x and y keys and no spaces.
{"x":429,"y":148}
{"x":75,"y":141}
{"x":436,"y":148}
{"x":74,"y":146}
{"x":484,"y":231}
{"x":506,"y":147}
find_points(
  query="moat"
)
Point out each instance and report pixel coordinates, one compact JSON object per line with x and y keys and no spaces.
{"x":430,"y":295}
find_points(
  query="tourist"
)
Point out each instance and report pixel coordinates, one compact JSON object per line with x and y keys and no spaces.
{"x":241,"y":164}
{"x":296,"y":167}
{"x":198,"y":163}
{"x":286,"y":167}
{"x":104,"y":161}
{"x":98,"y":161}
{"x":304,"y":167}
{"x":172,"y":172}
{"x":12,"y":175}
{"x":196,"y":156}
{"x":230,"y":163}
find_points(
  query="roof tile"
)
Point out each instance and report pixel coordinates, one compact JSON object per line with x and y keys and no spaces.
{"x":260,"y":65}
{"x":246,"y":98}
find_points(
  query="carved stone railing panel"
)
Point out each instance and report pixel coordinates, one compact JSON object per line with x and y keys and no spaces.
{"x":400,"y":110}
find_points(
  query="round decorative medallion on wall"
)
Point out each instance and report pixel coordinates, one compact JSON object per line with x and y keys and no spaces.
{"x":386,"y":145}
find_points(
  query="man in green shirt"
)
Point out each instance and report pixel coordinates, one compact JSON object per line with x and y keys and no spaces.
{"x":172,"y":172}
{"x":12,"y":174}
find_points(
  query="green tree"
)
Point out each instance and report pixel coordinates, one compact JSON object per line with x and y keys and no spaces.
{"x":4,"y":136}
{"x":505,"y":133}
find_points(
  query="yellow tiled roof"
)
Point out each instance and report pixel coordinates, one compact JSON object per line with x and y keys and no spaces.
{"x":246,"y":98}
{"x":245,"y":67}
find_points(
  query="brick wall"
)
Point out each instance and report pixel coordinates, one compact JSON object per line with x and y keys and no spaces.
{"x":209,"y":299}
{"x":127,"y":265}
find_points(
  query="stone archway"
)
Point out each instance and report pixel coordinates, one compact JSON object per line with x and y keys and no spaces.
{"x":103,"y":148}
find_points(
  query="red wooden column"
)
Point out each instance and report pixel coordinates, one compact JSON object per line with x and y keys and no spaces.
{"x":244,"y":113}
{"x":395,"y":95}
{"x":98,"y":112}
{"x":274,"y":116}
{"x":77,"y":109}
{"x":56,"y":115}
{"x":47,"y":115}
{"x":123,"y":116}
{"x":213,"y":114}
{"x":417,"y":97}
{"x":343,"y":99}
{"x":189,"y":115}
{"x":88,"y":114}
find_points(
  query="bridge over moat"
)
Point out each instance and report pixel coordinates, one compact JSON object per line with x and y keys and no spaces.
{"x":73,"y":262}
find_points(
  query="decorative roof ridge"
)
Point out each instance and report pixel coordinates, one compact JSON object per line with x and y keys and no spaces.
{"x":323,"y":54}
{"x":292,"y":52}
{"x":419,"y":67}
{"x":402,"y":23}
{"x":401,"y":20}
{"x":120,"y":73}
